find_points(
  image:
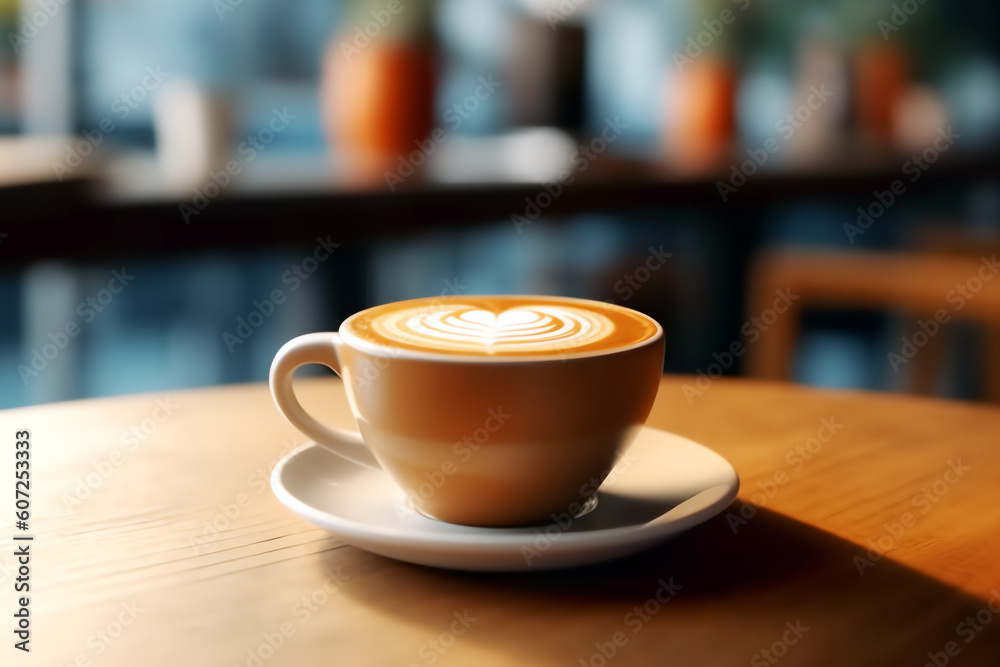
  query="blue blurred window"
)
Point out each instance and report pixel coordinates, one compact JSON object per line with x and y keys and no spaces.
{"x":258,"y":54}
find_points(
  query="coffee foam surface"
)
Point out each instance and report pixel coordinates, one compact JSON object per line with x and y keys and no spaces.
{"x":501,"y":326}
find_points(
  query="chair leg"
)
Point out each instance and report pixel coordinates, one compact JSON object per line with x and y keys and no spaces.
{"x":928,"y":362}
{"x":991,"y":367}
{"x":771,"y":345}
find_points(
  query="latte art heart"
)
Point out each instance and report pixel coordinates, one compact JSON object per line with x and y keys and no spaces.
{"x":519,"y":326}
{"x":467,"y":328}
{"x":496,"y":327}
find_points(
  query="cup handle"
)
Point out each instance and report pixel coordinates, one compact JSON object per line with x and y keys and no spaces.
{"x":314,"y":348}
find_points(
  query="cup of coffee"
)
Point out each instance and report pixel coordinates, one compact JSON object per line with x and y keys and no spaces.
{"x":485,"y":410}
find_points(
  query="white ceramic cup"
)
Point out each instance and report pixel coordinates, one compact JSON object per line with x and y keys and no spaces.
{"x":477,"y":438}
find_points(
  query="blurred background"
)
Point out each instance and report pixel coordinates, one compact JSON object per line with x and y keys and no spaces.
{"x":805,"y":191}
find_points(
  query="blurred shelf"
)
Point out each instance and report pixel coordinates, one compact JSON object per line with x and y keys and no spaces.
{"x":287,"y":200}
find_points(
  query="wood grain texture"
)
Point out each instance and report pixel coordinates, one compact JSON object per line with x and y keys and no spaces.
{"x":185,"y":542}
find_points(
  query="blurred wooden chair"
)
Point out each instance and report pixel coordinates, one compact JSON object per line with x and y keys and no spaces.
{"x":919,"y":284}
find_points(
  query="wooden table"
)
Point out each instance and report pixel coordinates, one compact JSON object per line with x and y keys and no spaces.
{"x":876,"y":542}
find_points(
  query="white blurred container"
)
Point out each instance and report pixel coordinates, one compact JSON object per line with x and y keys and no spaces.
{"x":194,"y":129}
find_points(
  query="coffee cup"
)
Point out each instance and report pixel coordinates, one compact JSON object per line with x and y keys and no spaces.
{"x":485,"y":410}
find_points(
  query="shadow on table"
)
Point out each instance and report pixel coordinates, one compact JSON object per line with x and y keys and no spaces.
{"x":735,"y":595}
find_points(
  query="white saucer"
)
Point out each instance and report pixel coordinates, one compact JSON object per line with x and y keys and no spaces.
{"x":664,"y":484}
